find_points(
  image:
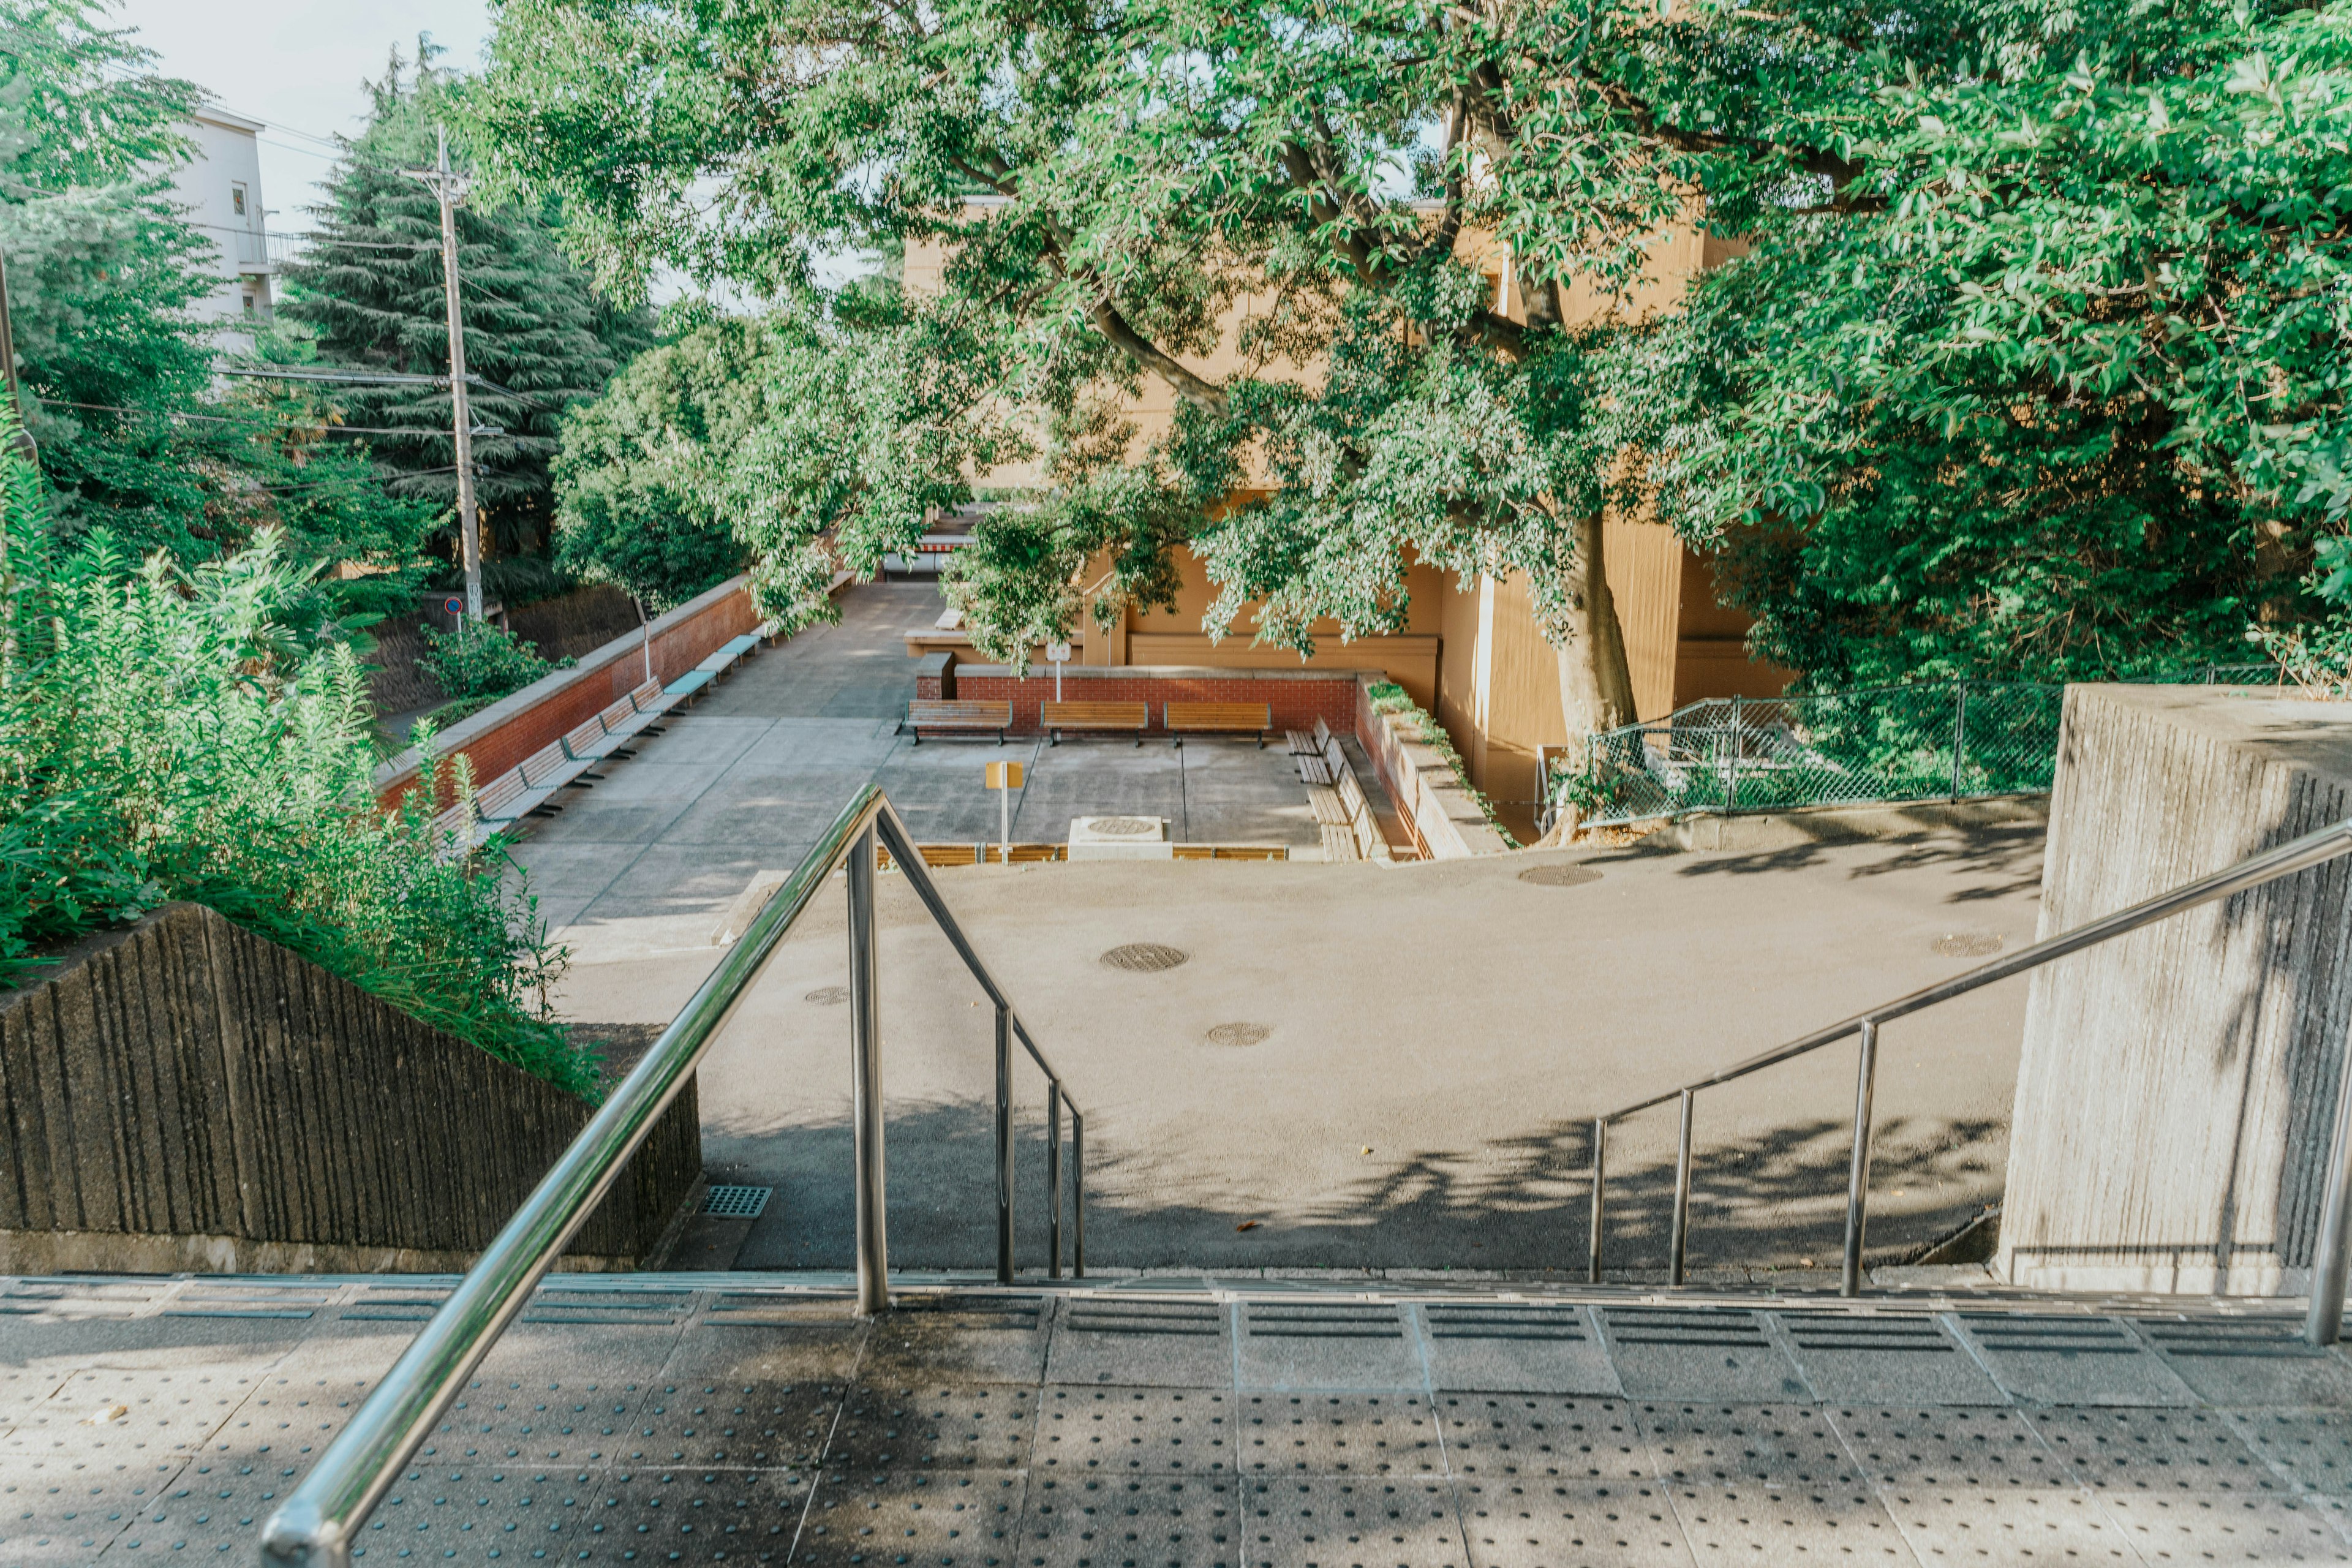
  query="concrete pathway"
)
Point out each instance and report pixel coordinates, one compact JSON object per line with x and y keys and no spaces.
{"x":722,"y":1419}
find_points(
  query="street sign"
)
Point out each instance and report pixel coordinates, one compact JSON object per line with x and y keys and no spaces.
{"x":1058,"y":653}
{"x":454,"y":607}
{"x":1004,"y":775}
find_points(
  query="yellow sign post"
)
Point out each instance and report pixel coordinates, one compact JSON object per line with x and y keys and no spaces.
{"x":1004,"y":778}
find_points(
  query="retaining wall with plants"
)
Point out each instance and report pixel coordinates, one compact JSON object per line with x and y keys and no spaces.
{"x":1422,"y":773}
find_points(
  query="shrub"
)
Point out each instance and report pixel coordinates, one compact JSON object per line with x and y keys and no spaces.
{"x":479,"y":663}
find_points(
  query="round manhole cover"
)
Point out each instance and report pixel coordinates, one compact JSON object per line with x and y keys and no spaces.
{"x":1559,"y":876}
{"x":1238,"y":1034}
{"x":1123,"y":826}
{"x":1145,"y":957}
{"x":1967,"y":945}
{"x":828,"y":995}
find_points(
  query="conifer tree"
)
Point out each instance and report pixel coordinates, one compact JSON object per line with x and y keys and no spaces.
{"x":371,"y":285}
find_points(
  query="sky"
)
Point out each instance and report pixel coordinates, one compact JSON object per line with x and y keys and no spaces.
{"x":297,"y":65}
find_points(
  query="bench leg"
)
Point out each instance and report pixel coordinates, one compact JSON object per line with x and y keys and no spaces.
{"x":1052,"y":737}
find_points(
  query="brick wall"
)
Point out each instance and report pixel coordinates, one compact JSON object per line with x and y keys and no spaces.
{"x":1298,"y":697}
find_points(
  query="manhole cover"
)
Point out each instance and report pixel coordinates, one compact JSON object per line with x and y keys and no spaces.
{"x":1123,"y":826}
{"x":1238,"y":1034}
{"x":1559,"y":876}
{"x":1145,"y":957}
{"x":1967,"y":945}
{"x":736,"y":1203}
{"x":828,"y":995}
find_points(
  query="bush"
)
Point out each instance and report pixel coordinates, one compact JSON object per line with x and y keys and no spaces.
{"x":169,"y":735}
{"x":479,"y":663}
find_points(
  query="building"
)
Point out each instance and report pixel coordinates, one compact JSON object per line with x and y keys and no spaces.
{"x":1470,"y":651}
{"x":221,"y":189}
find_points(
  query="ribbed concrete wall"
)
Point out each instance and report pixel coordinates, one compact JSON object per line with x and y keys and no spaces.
{"x":189,"y":1095}
{"x":2177,"y":1087}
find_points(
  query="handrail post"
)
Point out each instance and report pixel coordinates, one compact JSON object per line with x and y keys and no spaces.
{"x":865,"y":1077}
{"x":2331,"y":1253}
{"x":1053,"y":1179}
{"x":1959,"y":734}
{"x":1077,"y":1194}
{"x":1600,"y":1178}
{"x":1003,"y":1144}
{"x":1681,"y":1238}
{"x":1857,"y":1184}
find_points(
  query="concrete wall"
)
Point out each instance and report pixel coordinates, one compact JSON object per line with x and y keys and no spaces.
{"x":1446,"y":822}
{"x":2176,"y":1087}
{"x":185,"y":1095}
{"x":1296,"y":697}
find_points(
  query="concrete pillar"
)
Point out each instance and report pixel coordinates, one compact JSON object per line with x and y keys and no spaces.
{"x":2176,"y":1087}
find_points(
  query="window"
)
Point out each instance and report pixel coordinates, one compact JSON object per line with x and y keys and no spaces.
{"x":236,"y":197}
{"x":252,"y":302}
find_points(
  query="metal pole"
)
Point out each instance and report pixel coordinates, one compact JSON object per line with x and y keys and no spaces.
{"x":470,"y":526}
{"x":1053,"y":1179}
{"x":865,"y":1077}
{"x":1731,"y":773}
{"x":1600,"y":1177}
{"x":1858,"y":1183}
{"x":1003,"y":1144}
{"x":1960,"y":733}
{"x":1681,"y":1242}
{"x":2331,"y":1253}
{"x":1077,"y":1194}
{"x":1004,"y":825}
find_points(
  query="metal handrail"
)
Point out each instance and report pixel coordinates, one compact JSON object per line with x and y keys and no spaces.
{"x":2297,"y":855}
{"x":318,"y":1522}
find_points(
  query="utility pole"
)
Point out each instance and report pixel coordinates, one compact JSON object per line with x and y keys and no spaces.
{"x":448,"y":188}
{"x":23,"y":443}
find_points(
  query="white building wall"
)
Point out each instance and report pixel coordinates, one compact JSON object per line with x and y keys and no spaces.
{"x":221,"y":189}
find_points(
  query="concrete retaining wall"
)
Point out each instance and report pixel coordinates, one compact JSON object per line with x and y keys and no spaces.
{"x":2177,"y":1088}
{"x":1445,"y":820}
{"x":1296,"y":697}
{"x":186,"y":1094}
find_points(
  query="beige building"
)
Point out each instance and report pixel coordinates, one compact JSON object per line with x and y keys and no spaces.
{"x":1470,"y":651}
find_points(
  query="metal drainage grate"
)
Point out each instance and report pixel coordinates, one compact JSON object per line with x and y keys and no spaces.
{"x":1559,"y":876}
{"x":1967,"y":945}
{"x":1238,"y":1034}
{"x":1145,"y":957}
{"x":736,"y":1203}
{"x":828,"y":995}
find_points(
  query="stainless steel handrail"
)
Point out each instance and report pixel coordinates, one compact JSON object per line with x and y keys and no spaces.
{"x":317,"y":1525}
{"x":2329,"y":1267}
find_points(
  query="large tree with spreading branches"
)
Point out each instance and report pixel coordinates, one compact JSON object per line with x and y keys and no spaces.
{"x":2030,"y":362}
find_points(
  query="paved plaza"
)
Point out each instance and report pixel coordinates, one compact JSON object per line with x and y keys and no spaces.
{"x":698,"y":1419}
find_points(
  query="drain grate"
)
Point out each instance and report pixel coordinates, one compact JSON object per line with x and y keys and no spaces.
{"x":1238,"y":1034}
{"x":828,"y":995}
{"x":1559,"y":876}
{"x":1145,"y":957}
{"x":1967,"y":945}
{"x":736,"y":1203}
{"x":1123,"y":826}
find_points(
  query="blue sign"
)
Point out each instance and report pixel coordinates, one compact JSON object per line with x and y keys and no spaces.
{"x":453,"y":605}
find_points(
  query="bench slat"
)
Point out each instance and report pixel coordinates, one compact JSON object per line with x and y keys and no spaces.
{"x":957,"y":714}
{"x":1221,"y":715}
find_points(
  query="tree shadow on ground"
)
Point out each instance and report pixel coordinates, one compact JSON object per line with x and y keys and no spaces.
{"x":2009,"y":857}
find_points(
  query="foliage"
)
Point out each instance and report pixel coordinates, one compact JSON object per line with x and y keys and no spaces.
{"x":1418,"y":725}
{"x":371,"y":285}
{"x":169,"y":733}
{"x":2022,"y":355}
{"x":640,"y":485}
{"x":479,"y":663}
{"x":102,"y":271}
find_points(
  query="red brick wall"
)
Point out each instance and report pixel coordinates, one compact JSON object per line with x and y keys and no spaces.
{"x":1296,"y":701}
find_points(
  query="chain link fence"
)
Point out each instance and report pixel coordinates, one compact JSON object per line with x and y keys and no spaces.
{"x":1952,"y":741}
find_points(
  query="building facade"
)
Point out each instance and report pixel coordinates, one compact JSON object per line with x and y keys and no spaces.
{"x":220,"y":188}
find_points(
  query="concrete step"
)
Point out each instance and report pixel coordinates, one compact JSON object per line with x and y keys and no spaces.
{"x":1225,"y":1420}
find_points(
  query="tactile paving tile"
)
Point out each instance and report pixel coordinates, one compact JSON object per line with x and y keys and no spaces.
{"x":66,"y":1298}
{"x":2011,"y":1526}
{"x":1150,"y":1521}
{"x":969,"y":1520}
{"x":1674,"y":1354}
{"x":25,"y":1389}
{"x":536,"y":1422}
{"x":2314,"y":1446}
{"x":475,"y":1515}
{"x":982,"y":1427}
{"x":2161,"y":1450}
{"x":1323,"y":1522}
{"x":213,"y":1508}
{"x":2188,"y":1527}
{"x":1136,"y":1431}
{"x":1109,"y":1340}
{"x":1327,"y":1344}
{"x":58,"y":1510}
{"x":691,"y":1515}
{"x":1910,"y":1357}
{"x":920,"y":1339}
{"x":293,"y":1416}
{"x":128,"y":1416}
{"x":764,"y":1425}
{"x":1566,"y":1524}
{"x":1779,"y":1526}
{"x":206,"y":1299}
{"x":1520,"y":1347}
{"x":1720,"y":1445}
{"x":2071,"y":1361}
{"x":565,"y":1304}
{"x":1974,"y":1451}
{"x":1542,"y":1436}
{"x":2250,"y":1361}
{"x":1335,"y":1435}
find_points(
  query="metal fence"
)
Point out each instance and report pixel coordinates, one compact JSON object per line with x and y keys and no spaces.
{"x":1951,"y":741}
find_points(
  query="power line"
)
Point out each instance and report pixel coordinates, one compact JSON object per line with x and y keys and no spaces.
{"x":383,"y":378}
{"x":482,"y":430}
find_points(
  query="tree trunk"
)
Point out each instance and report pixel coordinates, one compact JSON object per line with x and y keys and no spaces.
{"x":1596,"y":685}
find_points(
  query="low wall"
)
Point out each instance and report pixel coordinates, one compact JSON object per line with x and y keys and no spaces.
{"x":2176,"y":1091}
{"x":1446,"y":820}
{"x":1296,"y":697}
{"x":504,"y":733}
{"x":184,"y":1095}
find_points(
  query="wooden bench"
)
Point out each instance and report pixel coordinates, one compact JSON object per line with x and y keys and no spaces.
{"x":967,"y":718}
{"x":1115,"y":718}
{"x":650,"y":700}
{"x":1219,"y":719}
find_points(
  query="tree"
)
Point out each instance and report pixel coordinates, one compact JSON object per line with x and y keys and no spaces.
{"x":1938,"y":412}
{"x":640,"y":485}
{"x":371,"y":285}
